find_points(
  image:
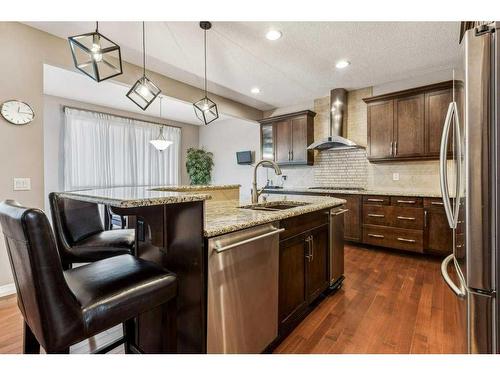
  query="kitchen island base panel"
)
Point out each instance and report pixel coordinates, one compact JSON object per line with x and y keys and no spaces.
{"x":172,"y":236}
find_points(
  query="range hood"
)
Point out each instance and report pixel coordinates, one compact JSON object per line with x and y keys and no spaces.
{"x":338,"y":110}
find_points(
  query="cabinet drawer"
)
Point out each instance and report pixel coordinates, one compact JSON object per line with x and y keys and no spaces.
{"x":376,"y":200}
{"x":407,"y":217}
{"x":406,"y":201}
{"x":433,"y":202}
{"x":396,"y":238}
{"x":302,"y":223}
{"x":375,"y":215}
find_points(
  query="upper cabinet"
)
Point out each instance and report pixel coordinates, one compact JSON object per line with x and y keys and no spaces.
{"x":285,"y":138}
{"x":407,"y":125}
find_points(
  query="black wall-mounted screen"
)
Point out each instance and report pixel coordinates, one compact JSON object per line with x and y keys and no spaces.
{"x":244,"y":157}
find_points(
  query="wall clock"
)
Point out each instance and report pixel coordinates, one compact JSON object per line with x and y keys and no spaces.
{"x":17,"y":112}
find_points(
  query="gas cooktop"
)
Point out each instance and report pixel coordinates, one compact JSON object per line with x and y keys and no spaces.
{"x":336,"y":188}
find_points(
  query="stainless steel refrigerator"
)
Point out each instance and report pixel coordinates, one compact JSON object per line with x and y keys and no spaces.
{"x":469,"y":172}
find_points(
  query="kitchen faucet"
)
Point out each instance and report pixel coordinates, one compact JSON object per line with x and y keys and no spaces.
{"x":255,"y":191}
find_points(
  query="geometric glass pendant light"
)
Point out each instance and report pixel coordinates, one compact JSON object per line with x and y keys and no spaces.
{"x":95,"y":55}
{"x":144,"y":91}
{"x":205,"y":109}
{"x":161,"y":143}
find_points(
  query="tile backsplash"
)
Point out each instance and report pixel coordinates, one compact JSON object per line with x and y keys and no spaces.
{"x":347,"y":168}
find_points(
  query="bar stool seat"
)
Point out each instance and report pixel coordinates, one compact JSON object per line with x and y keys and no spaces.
{"x":103,"y":245}
{"x":61,"y":308}
{"x":80,"y":233}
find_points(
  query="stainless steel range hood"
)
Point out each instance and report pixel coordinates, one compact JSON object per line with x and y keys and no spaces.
{"x":338,"y":110}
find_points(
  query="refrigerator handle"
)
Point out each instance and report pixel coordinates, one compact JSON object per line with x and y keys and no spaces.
{"x":460,"y":291}
{"x":443,"y":175}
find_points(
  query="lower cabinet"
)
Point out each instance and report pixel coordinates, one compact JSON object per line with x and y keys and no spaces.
{"x":303,"y":274}
{"x":352,"y":218}
{"x":438,"y":237}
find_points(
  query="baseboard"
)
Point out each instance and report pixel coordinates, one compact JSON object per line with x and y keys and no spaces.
{"x":7,"y":289}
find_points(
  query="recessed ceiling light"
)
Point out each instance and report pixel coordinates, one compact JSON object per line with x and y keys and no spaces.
{"x":341,"y":64}
{"x":273,"y":34}
{"x":255,"y":90}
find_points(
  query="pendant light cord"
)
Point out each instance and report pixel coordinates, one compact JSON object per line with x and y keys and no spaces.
{"x":143,"y":50}
{"x":96,"y":26}
{"x":205,"y":43}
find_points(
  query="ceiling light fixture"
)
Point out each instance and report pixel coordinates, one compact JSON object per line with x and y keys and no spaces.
{"x":205,"y":109}
{"x":144,"y":91}
{"x":95,"y":55}
{"x":341,"y":64}
{"x":255,"y":90}
{"x":160,"y":143}
{"x":273,"y":34}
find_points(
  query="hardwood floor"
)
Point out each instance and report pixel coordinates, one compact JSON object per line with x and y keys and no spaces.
{"x":390,"y":303}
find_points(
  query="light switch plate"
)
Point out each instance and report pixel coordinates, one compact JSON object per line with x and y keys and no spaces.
{"x":395,"y":177}
{"x":22,"y":183}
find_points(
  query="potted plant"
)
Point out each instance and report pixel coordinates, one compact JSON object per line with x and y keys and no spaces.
{"x":199,"y":165}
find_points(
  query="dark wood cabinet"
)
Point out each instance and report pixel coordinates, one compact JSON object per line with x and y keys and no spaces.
{"x":291,"y":135}
{"x":407,"y":125}
{"x":438,"y":238}
{"x":352,"y":218}
{"x":303,"y":267}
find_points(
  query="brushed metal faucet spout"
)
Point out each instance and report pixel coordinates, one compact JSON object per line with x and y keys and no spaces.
{"x":256,"y":192}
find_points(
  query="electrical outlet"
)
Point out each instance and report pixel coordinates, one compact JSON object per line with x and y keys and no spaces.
{"x":395,"y":177}
{"x":22,"y":183}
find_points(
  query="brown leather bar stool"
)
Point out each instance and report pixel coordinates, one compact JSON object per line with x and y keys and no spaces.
{"x":61,"y":308}
{"x":80,"y":234}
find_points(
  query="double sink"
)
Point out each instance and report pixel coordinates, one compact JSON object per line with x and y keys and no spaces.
{"x":274,"y":206}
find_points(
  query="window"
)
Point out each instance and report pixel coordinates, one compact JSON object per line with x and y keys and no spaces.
{"x":102,"y":150}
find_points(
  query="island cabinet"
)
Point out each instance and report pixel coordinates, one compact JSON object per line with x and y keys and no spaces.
{"x":285,"y":138}
{"x":407,"y":125}
{"x":352,"y":218}
{"x":303,"y":266}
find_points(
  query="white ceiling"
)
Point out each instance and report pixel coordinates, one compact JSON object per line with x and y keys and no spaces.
{"x":111,"y":94}
{"x":292,"y":70}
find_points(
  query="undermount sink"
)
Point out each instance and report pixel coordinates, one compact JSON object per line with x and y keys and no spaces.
{"x":274,"y":206}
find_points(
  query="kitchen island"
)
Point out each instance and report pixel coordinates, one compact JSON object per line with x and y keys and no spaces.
{"x":178,"y":228}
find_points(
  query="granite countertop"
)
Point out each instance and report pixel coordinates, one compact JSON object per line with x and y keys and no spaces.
{"x":191,"y":188}
{"x":138,"y":196}
{"x":226,"y":216}
{"x":407,"y":193}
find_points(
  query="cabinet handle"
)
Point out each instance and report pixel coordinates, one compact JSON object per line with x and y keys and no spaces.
{"x":405,"y":218}
{"x":392,"y":148}
{"x":376,"y":215}
{"x":405,"y":201}
{"x":375,"y":235}
{"x":374,"y":200}
{"x":311,"y":243}
{"x":406,"y":240}
{"x":308,"y":255}
{"x":437,"y":203}
{"x":291,"y":153}
{"x":425,"y":219}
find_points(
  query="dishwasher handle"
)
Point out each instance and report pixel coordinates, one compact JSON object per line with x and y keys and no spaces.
{"x":221,"y":249}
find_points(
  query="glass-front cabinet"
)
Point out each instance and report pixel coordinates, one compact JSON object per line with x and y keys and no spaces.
{"x":267,"y":141}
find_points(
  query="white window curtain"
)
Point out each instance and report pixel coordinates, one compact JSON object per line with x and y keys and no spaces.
{"x":102,"y":150}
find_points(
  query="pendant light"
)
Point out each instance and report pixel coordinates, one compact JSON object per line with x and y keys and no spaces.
{"x":205,"y":109}
{"x":161,"y":143}
{"x":144,"y":91}
{"x":95,"y":55}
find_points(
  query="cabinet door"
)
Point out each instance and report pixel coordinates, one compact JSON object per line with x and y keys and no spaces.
{"x":352,"y":218}
{"x":437,"y":103}
{"x":438,"y":237}
{"x":409,"y":126}
{"x":380,"y":129}
{"x":267,"y":141}
{"x":317,"y":262}
{"x":283,"y":140}
{"x":292,"y":279}
{"x":299,"y":140}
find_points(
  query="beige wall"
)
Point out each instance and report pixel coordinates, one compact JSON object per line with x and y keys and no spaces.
{"x":54,"y":122}
{"x":24,"y":51}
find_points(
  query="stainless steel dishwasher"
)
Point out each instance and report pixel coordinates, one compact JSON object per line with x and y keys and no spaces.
{"x":243,"y":290}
